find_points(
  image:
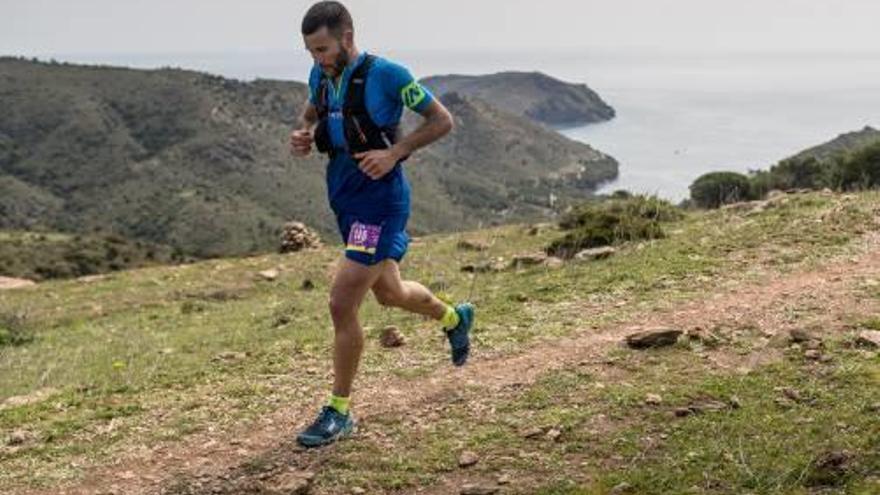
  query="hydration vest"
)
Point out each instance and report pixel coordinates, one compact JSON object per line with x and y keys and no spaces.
{"x":361,"y":132}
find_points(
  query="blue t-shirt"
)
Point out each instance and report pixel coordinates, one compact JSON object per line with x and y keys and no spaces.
{"x":390,"y":87}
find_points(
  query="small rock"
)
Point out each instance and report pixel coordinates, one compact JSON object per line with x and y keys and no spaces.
{"x":735,"y":402}
{"x":467,"y":245}
{"x":504,"y":479}
{"x":653,"y":399}
{"x":18,"y":437}
{"x":554,"y":434}
{"x":813,"y":355}
{"x":495,"y":265}
{"x":308,"y":284}
{"x":533,"y":432}
{"x":269,"y":275}
{"x":292,"y":483}
{"x":653,"y":338}
{"x":799,"y":335}
{"x":830,"y":468}
{"x":792,"y":394}
{"x":523,"y":260}
{"x":391,"y":337}
{"x":230,"y":356}
{"x":554,"y":262}
{"x":621,"y":489}
{"x":869,"y":339}
{"x":681,"y":412}
{"x":467,"y":459}
{"x":358,"y":491}
{"x":595,"y":253}
{"x":475,"y":489}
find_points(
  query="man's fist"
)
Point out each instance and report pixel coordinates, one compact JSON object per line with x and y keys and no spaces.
{"x":301,"y":142}
{"x":377,"y":163}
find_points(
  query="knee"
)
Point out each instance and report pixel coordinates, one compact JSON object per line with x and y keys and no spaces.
{"x":340,"y":308}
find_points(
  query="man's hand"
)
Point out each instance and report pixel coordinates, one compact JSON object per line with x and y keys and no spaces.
{"x":377,"y":163}
{"x":301,"y":142}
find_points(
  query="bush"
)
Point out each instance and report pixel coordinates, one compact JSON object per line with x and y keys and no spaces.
{"x":613,"y":221}
{"x":860,"y":170}
{"x":801,"y":173}
{"x":14,"y":330}
{"x":718,"y":188}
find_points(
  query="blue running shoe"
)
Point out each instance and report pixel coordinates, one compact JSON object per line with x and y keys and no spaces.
{"x":330,"y":426}
{"x":459,"y":337}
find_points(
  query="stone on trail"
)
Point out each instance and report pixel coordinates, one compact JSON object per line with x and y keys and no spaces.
{"x":269,"y":275}
{"x":657,"y":337}
{"x":391,"y":337}
{"x":291,"y":483}
{"x":476,"y":489}
{"x":869,"y":338}
{"x":467,"y":459}
{"x":653,"y":399}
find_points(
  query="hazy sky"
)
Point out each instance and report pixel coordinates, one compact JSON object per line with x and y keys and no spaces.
{"x":39,"y":27}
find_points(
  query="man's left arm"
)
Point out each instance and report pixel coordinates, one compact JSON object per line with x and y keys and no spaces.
{"x":436,"y":124}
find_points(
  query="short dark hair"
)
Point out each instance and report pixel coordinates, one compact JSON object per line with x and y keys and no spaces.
{"x":334,"y":15}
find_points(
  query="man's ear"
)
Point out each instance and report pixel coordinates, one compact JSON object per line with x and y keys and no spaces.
{"x":347,"y":39}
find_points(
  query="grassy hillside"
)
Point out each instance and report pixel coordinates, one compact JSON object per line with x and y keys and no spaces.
{"x":194,"y":378}
{"x":39,"y":256}
{"x":201,"y":164}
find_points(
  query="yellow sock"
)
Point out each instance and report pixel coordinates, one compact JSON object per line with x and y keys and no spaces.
{"x":450,"y":318}
{"x":340,"y":403}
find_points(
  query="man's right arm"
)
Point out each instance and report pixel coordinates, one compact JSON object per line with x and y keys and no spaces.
{"x":302,"y":138}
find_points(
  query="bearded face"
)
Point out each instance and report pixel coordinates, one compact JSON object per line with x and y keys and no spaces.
{"x":329,"y":50}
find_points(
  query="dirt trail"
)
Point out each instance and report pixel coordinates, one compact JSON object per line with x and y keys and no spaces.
{"x":221,"y":464}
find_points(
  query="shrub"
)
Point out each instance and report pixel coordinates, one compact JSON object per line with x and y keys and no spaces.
{"x":14,"y":330}
{"x":860,"y":170}
{"x":718,"y":188}
{"x":613,"y":221}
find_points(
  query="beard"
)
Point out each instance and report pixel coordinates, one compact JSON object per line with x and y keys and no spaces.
{"x":338,"y":65}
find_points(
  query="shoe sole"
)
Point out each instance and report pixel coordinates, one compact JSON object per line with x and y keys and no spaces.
{"x":470,"y":325}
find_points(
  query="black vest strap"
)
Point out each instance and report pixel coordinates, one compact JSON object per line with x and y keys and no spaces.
{"x":361,"y":132}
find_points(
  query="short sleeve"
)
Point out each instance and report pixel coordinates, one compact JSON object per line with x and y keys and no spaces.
{"x":400,"y":85}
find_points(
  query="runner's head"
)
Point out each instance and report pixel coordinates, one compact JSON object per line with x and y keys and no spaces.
{"x":329,"y":36}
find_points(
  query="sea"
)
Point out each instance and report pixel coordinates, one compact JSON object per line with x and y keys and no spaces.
{"x":679,"y":115}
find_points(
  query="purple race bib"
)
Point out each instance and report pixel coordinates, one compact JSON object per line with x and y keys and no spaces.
{"x":363,"y":238}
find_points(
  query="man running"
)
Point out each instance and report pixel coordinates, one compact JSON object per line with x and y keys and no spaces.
{"x":352,"y":114}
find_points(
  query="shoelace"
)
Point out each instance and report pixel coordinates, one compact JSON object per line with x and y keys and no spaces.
{"x":328,"y":418}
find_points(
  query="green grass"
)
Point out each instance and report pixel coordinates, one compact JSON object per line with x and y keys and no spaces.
{"x":139,"y":350}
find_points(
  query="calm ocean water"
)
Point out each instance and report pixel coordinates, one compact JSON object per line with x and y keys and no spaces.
{"x":679,"y":115}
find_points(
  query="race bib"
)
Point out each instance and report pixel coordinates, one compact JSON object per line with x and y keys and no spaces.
{"x":363,"y":238}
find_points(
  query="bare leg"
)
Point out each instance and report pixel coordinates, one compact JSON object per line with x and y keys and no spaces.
{"x":350,"y":285}
{"x":390,"y":290}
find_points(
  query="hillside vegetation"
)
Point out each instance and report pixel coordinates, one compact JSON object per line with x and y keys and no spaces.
{"x":201,"y":163}
{"x":193,"y":379}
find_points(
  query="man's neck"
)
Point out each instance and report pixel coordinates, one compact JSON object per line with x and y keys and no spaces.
{"x":353,"y":55}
